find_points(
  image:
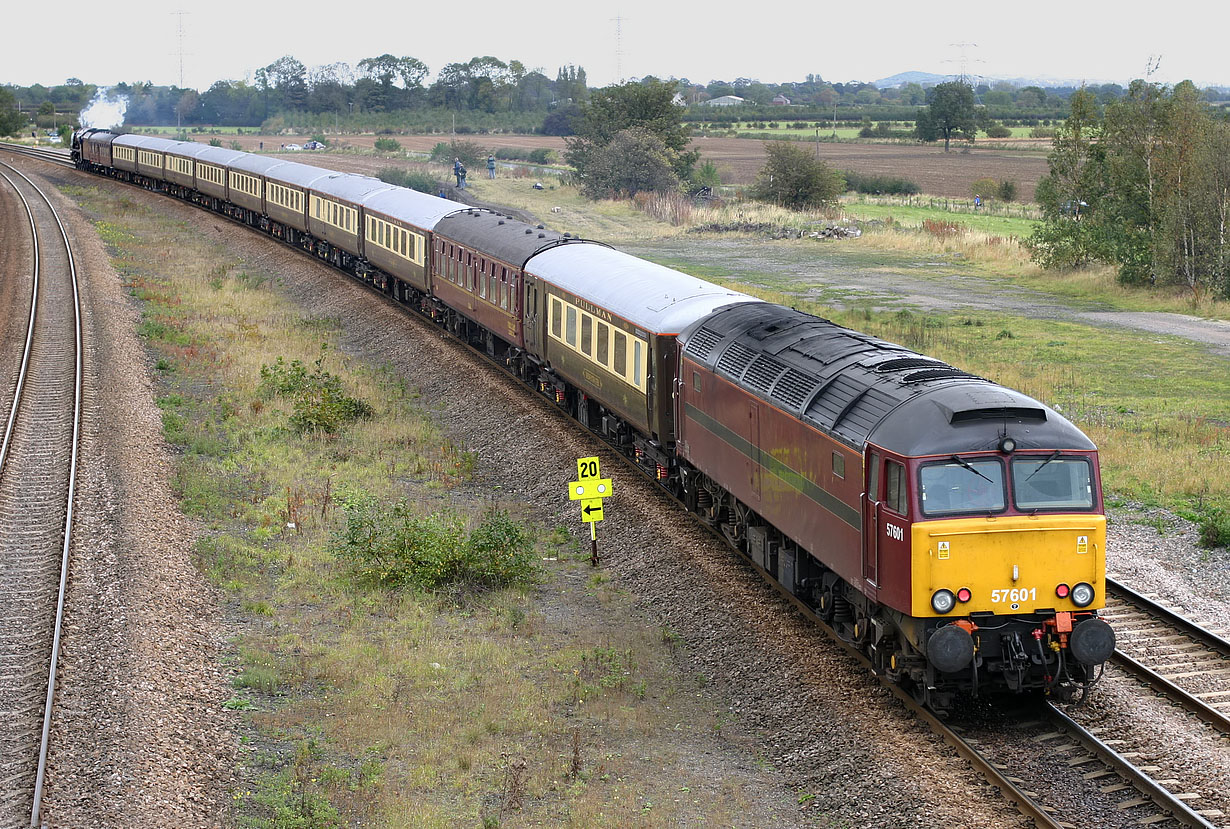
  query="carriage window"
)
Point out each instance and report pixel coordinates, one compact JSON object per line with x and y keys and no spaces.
{"x":493,"y":289}
{"x":621,"y":354}
{"x":504,"y":294}
{"x":482,"y":283}
{"x":839,"y":463}
{"x":637,"y":377}
{"x":604,"y":336}
{"x":570,"y":326}
{"x":1051,"y":483}
{"x":557,"y":318}
{"x":587,"y":334}
{"x":958,"y":486}
{"x":696,"y":381}
{"x":894,"y":481}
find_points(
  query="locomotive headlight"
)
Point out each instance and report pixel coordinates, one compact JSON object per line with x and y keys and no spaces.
{"x":942,"y":601}
{"x":1007,"y":445}
{"x":1082,"y":595}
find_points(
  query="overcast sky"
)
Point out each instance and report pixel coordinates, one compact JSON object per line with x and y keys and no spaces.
{"x":770,"y":40}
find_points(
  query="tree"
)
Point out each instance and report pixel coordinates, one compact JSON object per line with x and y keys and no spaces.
{"x":794,"y":178}
{"x":1145,"y":187}
{"x":634,"y":160}
{"x":951,"y":112}
{"x":10,"y":119}
{"x":647,"y":106}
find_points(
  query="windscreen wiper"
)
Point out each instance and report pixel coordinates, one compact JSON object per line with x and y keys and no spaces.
{"x":1054,"y":455}
{"x":965,"y":464}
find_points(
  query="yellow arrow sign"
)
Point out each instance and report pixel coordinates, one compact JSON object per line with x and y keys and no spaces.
{"x":591,"y":510}
{"x":590,"y":488}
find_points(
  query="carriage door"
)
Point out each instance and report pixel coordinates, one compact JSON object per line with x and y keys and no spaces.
{"x":872,"y":504}
{"x":530,"y":315}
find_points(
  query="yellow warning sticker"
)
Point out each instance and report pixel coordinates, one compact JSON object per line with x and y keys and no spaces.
{"x":1082,"y":544}
{"x":944,"y":551}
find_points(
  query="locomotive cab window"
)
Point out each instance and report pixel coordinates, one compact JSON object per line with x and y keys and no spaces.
{"x":1046,"y":483}
{"x":894,"y":487}
{"x":962,"y":486}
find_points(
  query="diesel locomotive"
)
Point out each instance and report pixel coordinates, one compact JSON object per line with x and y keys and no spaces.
{"x":951,"y":528}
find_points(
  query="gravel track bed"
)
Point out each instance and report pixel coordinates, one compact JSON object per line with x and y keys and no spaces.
{"x":33,"y":509}
{"x":139,"y":737}
{"x":158,"y":752}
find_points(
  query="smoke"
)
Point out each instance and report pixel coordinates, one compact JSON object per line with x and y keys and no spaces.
{"x":105,"y":110}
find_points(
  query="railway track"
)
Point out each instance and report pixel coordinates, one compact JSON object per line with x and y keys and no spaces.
{"x":1108,"y":779}
{"x":1172,"y":654}
{"x":62,"y":157}
{"x":38,"y":465}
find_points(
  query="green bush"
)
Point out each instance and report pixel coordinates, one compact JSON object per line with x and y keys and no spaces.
{"x":998,"y":131}
{"x":472,"y":154}
{"x":321,"y":405}
{"x":390,"y":546}
{"x":1215,"y":528}
{"x":879,"y":185}
{"x":1006,"y":190}
{"x":413,"y":179}
{"x":387,"y":145}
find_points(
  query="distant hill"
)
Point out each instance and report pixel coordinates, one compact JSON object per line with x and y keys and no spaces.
{"x":930,"y":79}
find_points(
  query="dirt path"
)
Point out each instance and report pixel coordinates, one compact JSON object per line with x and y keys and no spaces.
{"x":845,"y":276}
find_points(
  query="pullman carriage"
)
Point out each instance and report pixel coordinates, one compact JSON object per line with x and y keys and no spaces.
{"x":477,"y":272}
{"x":286,"y":198}
{"x":335,"y":204}
{"x":246,"y":182}
{"x":180,"y":171}
{"x":93,"y":148}
{"x":613,"y":339}
{"x":397,"y":234}
{"x":211,"y":179}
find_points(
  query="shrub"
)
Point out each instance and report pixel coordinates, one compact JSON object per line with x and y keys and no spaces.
{"x":1006,"y":190}
{"x":392,"y":547}
{"x":387,"y":145}
{"x":1215,"y":528}
{"x":472,"y":154}
{"x":413,"y":179}
{"x":998,"y":131}
{"x":941,"y":229}
{"x":984,"y":187}
{"x":879,"y":185}
{"x":321,"y":405}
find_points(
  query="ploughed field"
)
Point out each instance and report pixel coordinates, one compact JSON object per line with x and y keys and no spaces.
{"x":740,"y":159}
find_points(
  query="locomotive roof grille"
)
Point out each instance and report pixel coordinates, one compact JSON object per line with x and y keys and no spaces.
{"x":763,"y":373}
{"x":902,"y":363}
{"x":735,"y":359}
{"x":945,"y":373}
{"x":1000,"y":413}
{"x":702,"y":342}
{"x":793,"y":388}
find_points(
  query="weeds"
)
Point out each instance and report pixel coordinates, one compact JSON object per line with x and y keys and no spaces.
{"x":392,"y":546}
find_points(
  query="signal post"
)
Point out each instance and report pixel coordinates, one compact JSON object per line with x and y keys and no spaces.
{"x":590,"y":488}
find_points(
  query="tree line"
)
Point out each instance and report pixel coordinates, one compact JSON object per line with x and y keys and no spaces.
{"x":1143,"y":184}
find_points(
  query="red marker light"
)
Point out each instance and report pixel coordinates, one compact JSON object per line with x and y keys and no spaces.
{"x":1062,"y":591}
{"x":964,"y":595}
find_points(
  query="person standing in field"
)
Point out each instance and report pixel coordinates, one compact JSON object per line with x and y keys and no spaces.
{"x":457,"y":170}
{"x":490,"y":166}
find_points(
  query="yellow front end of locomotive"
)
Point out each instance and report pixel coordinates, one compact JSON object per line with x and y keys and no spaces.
{"x":1014,"y":564}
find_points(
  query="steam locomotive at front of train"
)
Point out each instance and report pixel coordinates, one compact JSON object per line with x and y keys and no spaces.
{"x":1008,"y":553}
